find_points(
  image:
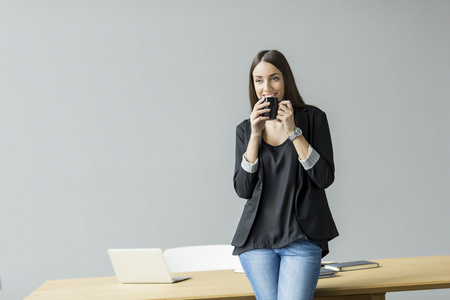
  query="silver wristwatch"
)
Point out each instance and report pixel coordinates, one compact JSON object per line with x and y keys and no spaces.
{"x":297,"y":132}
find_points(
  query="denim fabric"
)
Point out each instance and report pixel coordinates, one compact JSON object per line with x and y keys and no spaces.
{"x":288,"y":273}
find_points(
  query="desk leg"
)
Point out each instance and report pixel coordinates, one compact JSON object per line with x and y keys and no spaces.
{"x":380,"y":296}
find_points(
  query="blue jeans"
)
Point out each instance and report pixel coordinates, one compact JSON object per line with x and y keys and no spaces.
{"x":288,"y":273}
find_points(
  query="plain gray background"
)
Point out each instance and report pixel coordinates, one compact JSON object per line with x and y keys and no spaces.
{"x":117,"y":125}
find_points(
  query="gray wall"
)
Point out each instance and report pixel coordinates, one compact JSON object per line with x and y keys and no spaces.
{"x":117,"y":125}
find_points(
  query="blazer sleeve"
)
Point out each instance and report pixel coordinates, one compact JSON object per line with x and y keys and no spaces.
{"x":322,"y":173}
{"x":244,"y":182}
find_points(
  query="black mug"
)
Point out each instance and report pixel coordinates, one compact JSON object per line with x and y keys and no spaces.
{"x":272,"y":114}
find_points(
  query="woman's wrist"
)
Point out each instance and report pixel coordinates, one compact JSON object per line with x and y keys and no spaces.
{"x":255,"y":136}
{"x":290,"y":129}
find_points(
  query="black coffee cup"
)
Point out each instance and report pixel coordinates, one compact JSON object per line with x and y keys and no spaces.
{"x":272,"y":114}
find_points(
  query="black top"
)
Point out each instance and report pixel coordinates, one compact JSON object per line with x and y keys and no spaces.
{"x":276,"y":224}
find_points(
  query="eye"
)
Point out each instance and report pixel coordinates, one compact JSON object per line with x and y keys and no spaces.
{"x":258,"y":80}
{"x":275,"y":78}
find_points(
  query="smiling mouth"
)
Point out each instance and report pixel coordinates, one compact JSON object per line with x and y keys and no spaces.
{"x":270,"y":95}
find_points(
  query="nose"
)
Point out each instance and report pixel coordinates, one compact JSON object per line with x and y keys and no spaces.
{"x":267,"y":86}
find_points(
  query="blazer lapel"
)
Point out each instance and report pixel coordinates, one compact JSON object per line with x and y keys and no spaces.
{"x":302,"y":121}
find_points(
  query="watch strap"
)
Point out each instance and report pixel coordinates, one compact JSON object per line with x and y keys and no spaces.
{"x":297,"y":132}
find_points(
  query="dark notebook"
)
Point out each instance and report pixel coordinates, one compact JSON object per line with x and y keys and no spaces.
{"x":352,"y":265}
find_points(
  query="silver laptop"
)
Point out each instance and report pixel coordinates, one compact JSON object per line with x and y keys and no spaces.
{"x":141,"y":266}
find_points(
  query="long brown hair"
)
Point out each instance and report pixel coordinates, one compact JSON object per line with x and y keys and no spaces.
{"x":277,"y":59}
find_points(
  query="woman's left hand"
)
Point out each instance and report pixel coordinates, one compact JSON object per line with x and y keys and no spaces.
{"x":285,"y":115}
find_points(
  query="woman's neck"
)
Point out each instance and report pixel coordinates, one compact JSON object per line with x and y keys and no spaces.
{"x":274,"y":133}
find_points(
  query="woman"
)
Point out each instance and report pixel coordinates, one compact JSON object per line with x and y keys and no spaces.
{"x":282,"y":168}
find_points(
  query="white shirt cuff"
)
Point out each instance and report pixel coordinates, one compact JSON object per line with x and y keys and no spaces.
{"x":248,"y":166}
{"x":310,"y":161}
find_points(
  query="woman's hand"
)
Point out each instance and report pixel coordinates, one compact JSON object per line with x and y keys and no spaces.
{"x":285,"y":115}
{"x":257,"y":119}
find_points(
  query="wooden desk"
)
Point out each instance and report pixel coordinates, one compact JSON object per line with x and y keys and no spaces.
{"x":399,"y":274}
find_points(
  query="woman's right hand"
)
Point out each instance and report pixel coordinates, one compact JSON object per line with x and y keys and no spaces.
{"x":257,"y":120}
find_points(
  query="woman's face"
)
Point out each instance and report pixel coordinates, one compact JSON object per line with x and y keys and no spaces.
{"x":268,"y":81}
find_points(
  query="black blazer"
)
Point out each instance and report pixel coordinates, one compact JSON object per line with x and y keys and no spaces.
{"x":313,"y":212}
